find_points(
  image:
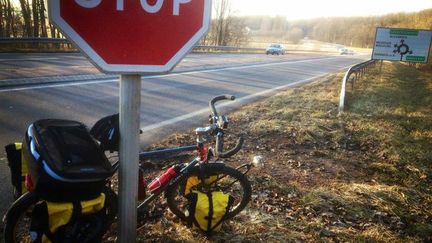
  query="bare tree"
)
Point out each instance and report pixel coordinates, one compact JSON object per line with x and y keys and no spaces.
{"x":236,"y":32}
{"x":35,"y":10}
{"x":43,"y":18}
{"x":222,"y":11}
{"x":2,"y":18}
{"x":294,"y":35}
{"x":7,"y":18}
{"x":26,"y":14}
{"x":225,"y":28}
{"x":53,"y":31}
{"x":10,"y":20}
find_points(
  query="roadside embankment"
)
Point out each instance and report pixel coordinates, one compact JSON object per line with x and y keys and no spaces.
{"x":364,"y":176}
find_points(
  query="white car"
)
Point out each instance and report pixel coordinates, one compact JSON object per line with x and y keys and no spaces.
{"x":275,"y":49}
{"x":345,"y":51}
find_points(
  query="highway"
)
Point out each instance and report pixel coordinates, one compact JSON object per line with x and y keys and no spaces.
{"x":170,"y":103}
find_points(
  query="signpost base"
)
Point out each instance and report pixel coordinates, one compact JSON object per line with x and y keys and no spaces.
{"x":130,"y":101}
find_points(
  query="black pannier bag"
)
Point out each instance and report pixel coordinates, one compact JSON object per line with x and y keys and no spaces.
{"x":65,"y":163}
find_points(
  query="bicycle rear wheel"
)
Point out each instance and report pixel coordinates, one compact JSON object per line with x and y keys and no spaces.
{"x":215,"y":177}
{"x":18,"y":218}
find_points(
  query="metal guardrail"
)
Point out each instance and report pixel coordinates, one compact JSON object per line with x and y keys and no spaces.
{"x":33,"y":40}
{"x":201,"y":48}
{"x":228,"y":49}
{"x":358,"y":70}
{"x":197,"y":48}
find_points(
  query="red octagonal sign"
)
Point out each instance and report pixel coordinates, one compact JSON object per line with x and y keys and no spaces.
{"x":133,"y":36}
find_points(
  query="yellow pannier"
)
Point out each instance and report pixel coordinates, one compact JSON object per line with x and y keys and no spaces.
{"x":207,"y":211}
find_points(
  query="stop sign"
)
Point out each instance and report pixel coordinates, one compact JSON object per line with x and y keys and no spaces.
{"x":134,"y":36}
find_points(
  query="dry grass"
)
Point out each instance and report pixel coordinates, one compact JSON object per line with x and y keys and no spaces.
{"x":368,"y":182}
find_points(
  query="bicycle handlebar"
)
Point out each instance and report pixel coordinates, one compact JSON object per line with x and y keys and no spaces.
{"x":219,"y":98}
{"x":221,"y":123}
{"x":229,"y":153}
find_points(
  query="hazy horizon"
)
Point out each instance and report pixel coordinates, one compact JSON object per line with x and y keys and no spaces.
{"x":308,"y":9}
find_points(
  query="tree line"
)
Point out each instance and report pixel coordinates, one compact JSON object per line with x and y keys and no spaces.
{"x":226,"y":29}
{"x":28,"y":18}
{"x":350,"y":31}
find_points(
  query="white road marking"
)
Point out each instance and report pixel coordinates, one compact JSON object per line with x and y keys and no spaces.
{"x":239,"y":100}
{"x":57,"y":85}
{"x":206,"y":110}
{"x":164,"y":75}
{"x":202,"y":111}
{"x":30,"y":59}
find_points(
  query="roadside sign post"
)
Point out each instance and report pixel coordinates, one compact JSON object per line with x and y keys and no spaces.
{"x":130,"y":102}
{"x":131,"y":38}
{"x":409,"y":45}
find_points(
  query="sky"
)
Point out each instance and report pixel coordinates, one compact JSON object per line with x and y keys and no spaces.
{"x":306,"y":9}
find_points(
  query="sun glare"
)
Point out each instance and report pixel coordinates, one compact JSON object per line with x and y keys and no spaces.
{"x":305,"y":9}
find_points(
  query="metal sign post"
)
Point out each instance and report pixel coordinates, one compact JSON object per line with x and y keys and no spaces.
{"x":132,"y":31}
{"x":130,"y":101}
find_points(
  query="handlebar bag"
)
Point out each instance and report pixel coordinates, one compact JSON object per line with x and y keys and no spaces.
{"x":18,"y":168}
{"x":81,"y":221}
{"x":207,"y":211}
{"x":65,"y":163}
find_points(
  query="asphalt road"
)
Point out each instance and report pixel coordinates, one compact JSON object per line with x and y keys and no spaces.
{"x":31,"y":65}
{"x":170,"y":103}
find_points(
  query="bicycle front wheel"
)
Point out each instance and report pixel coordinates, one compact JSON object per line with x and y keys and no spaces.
{"x":213,"y":177}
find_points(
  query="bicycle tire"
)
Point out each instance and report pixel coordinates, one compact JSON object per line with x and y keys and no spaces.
{"x":15,"y":213}
{"x":241,"y":190}
{"x":23,"y":207}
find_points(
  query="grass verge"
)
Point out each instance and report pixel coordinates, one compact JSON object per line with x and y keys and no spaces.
{"x":370,"y":181}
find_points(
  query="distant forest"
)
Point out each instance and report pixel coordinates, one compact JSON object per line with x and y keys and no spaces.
{"x":350,"y":31}
{"x":28,"y":18}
